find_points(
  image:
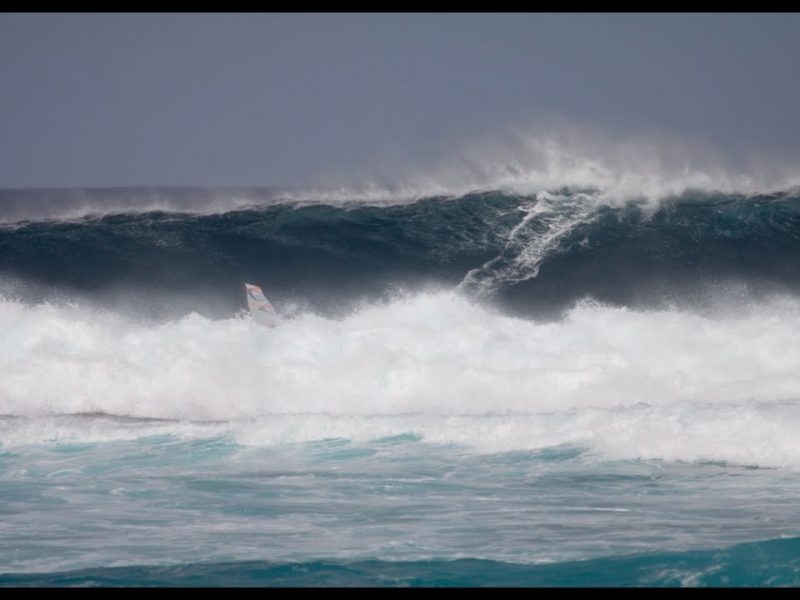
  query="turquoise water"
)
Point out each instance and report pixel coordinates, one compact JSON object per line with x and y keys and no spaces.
{"x":185,"y":504}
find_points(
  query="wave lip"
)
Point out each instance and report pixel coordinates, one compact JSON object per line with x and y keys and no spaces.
{"x":530,"y":161}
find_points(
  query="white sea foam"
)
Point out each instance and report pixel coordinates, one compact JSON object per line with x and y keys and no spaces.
{"x":666,"y":384}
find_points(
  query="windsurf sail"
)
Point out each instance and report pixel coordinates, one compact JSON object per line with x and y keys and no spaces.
{"x":261,"y":308}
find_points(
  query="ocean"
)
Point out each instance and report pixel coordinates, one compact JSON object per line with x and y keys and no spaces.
{"x":489,"y":388}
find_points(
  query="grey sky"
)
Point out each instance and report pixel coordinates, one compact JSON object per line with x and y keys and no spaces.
{"x":281,"y":99}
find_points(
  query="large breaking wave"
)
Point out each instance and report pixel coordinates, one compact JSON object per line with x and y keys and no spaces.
{"x":534,"y":254}
{"x":501,"y":320}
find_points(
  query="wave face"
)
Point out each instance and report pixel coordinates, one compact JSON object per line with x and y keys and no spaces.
{"x":543,"y":388}
{"x":534,"y":255}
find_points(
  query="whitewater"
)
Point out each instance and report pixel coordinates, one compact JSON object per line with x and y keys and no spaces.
{"x":566,"y":385}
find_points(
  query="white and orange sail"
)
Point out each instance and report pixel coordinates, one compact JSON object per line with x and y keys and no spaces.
{"x":261,"y":308}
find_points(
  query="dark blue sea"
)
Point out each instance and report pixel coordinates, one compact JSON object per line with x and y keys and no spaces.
{"x":558,"y":388}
